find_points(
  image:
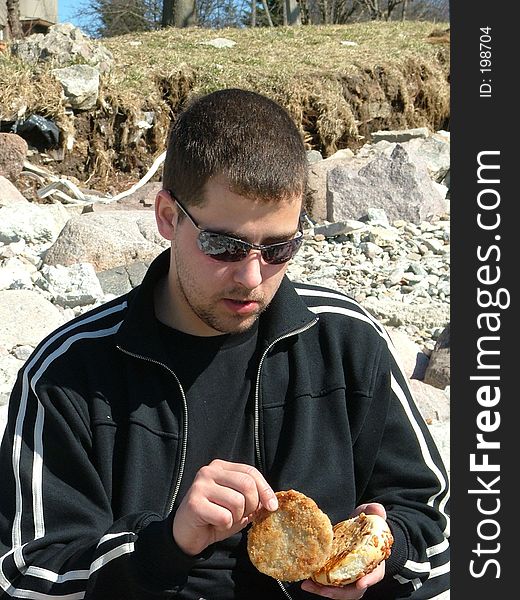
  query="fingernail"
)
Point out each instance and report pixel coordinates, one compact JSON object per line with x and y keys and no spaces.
{"x":272,"y":504}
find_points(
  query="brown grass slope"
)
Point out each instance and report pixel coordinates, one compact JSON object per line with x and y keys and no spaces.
{"x":393,"y":78}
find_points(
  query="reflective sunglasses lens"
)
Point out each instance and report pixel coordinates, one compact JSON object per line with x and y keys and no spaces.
{"x":281,"y":253}
{"x":221,"y":247}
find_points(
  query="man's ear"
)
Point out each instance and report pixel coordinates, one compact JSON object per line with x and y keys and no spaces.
{"x":165,"y":214}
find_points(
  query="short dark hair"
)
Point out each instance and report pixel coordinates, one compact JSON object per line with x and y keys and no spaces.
{"x":242,"y":135}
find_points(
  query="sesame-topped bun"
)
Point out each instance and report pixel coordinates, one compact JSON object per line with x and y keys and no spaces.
{"x":359,"y":545}
{"x":291,"y":542}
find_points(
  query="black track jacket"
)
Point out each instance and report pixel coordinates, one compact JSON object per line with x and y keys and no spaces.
{"x":93,"y":453}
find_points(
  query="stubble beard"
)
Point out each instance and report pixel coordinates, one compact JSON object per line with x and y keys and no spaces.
{"x":223,"y":324}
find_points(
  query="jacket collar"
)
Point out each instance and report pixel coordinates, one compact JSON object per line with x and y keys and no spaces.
{"x":139,"y":333}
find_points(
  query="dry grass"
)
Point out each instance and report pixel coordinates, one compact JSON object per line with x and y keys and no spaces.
{"x":337,"y":93}
{"x":263,"y":58}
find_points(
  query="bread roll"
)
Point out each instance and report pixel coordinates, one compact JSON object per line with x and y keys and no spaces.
{"x":359,"y":545}
{"x":291,"y":542}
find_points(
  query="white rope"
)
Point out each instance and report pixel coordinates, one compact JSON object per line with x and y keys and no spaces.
{"x":73,"y":195}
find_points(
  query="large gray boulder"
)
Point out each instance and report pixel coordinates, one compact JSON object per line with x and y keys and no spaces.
{"x":404,"y":190}
{"x":107,"y":239}
{"x":316,"y":194}
{"x":20,"y":329}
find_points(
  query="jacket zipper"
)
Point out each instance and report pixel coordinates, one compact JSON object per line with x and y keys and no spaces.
{"x":257,"y":415}
{"x":257,"y":410}
{"x":185,"y":425}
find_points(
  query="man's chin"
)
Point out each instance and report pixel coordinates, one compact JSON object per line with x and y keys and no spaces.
{"x":235,"y":326}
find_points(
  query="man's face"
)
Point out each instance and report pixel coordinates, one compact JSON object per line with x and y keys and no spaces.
{"x":207,"y":296}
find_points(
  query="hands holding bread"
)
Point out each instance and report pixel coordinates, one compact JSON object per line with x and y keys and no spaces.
{"x":291,"y":538}
{"x":356,"y":589}
{"x":298,"y":542}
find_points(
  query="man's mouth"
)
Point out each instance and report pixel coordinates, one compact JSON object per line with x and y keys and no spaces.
{"x":241,"y":306}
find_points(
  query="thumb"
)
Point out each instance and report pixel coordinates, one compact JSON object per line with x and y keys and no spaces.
{"x":370,"y":508}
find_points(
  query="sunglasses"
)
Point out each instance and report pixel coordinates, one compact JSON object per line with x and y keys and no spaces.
{"x":230,"y":249}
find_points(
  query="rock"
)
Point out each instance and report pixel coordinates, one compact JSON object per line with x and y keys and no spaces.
{"x":343,"y":154}
{"x":314,"y":156}
{"x":80,"y":85}
{"x":412,"y":359}
{"x":14,"y":275}
{"x":331,"y":230}
{"x":37,"y":224}
{"x":376,"y":216}
{"x":122,"y":279}
{"x":219,"y":43}
{"x":107,"y":240}
{"x":438,"y":371}
{"x":61,"y":46}
{"x":434,"y":152}
{"x":13,"y":151}
{"x":26,"y":318}
{"x":115,"y":281}
{"x":370,"y":250}
{"x":9,"y":367}
{"x":403,"y":190}
{"x":433,"y":403}
{"x":440,"y":431}
{"x":394,"y":313}
{"x":9,"y":195}
{"x":72,"y":286}
{"x":316,"y":195}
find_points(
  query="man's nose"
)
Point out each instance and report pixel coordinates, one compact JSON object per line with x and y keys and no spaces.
{"x":249,"y":271}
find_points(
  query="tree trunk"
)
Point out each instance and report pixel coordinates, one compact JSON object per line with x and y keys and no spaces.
{"x":13,"y":19}
{"x":292,"y":9}
{"x":185,"y":13}
{"x":403,"y":14}
{"x":253,"y":13}
{"x":268,"y":14}
{"x":167,"y":13}
{"x":314,"y":12}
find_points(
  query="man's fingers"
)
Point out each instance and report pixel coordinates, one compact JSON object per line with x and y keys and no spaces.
{"x":246,"y":480}
{"x":219,"y":503}
{"x":219,"y":517}
{"x":371,"y":508}
{"x":349,"y":592}
{"x":372,"y":578}
{"x":353,"y":591}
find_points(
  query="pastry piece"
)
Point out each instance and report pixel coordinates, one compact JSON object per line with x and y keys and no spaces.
{"x":292,"y":542}
{"x":359,"y":545}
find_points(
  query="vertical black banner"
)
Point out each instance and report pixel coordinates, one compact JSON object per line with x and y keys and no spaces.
{"x":485,"y":238}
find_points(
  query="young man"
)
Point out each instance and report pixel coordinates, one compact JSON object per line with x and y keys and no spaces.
{"x":144,"y":435}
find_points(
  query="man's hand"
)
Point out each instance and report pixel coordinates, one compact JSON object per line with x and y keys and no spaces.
{"x":355,"y":590}
{"x":219,"y":503}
